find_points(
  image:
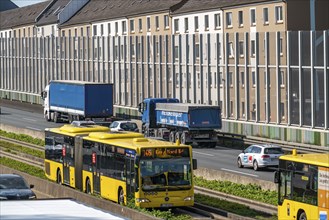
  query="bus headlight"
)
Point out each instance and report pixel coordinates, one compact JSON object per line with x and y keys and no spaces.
{"x":189,"y":198}
{"x":142,"y":200}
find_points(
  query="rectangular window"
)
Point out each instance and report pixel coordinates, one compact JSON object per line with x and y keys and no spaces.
{"x":196,"y":23}
{"x":206,"y":22}
{"x":240,"y":18}
{"x":230,"y":79}
{"x":253,"y":75}
{"x":95,"y":30}
{"x":88,"y":31}
{"x":148,"y":21}
{"x":278,"y":14}
{"x":253,"y":48}
{"x":176,"y":52}
{"x":109,"y":28}
{"x":231,"y":108}
{"x":282,"y":110}
{"x":217,"y":21}
{"x":265,"y":15}
{"x":252,"y":17}
{"x":116,"y":28}
{"x":281,"y":46}
{"x":157,"y":22}
{"x":124,"y":27}
{"x":281,"y":78}
{"x":186,"y":24}
{"x":230,"y":49}
{"x":132,"y":25}
{"x":243,"y":109}
{"x":102,"y":30}
{"x":228,"y":19}
{"x":242,"y":78}
{"x":176,"y":25}
{"x":241,"y":48}
{"x":140,"y":25}
{"x":166,"y":21}
{"x":220,"y":79}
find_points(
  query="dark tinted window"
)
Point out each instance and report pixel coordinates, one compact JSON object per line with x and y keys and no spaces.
{"x":273,"y":151}
{"x":12,"y":182}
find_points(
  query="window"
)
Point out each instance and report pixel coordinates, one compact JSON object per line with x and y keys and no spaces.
{"x":186,"y":24}
{"x":148,"y":23}
{"x":281,"y":46}
{"x":124,"y":27}
{"x":132,"y":25}
{"x":176,"y":26}
{"x":220,"y":78}
{"x":157,"y":22}
{"x":281,"y":78}
{"x":206,"y":22}
{"x":240,"y":18}
{"x":166,"y":21}
{"x":176,"y":52}
{"x":196,"y":23}
{"x":253,"y":48}
{"x":230,"y":49}
{"x":140,"y":25}
{"x":265,"y":15}
{"x":253,"y":75}
{"x":217,"y":21}
{"x":102,"y":30}
{"x":95,"y":30}
{"x":231,"y":108}
{"x":278,"y":14}
{"x":241,"y":48}
{"x":230,"y":79}
{"x":282,"y":110}
{"x":116,"y":28}
{"x":243,"y":109}
{"x":109,"y":28}
{"x":228,"y":19}
{"x":197,"y":52}
{"x":242,"y":78}
{"x":88,"y":31}
{"x":252,"y":17}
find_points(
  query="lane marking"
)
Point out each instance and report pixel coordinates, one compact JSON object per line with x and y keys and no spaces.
{"x":233,"y":171}
{"x":36,"y":129}
{"x":29,"y":119}
{"x":210,"y":155}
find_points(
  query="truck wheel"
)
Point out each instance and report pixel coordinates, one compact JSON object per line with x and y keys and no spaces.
{"x":55,"y":117}
{"x":183,"y":138}
{"x":70,"y":118}
{"x":48,"y":116}
{"x":177,"y":137}
{"x":172,"y":137}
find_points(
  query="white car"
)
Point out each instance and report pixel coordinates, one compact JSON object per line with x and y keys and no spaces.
{"x":259,"y":156}
{"x":124,"y":126}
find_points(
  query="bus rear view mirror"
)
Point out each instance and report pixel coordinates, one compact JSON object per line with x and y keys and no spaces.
{"x":194,"y":164}
{"x":277,"y":177}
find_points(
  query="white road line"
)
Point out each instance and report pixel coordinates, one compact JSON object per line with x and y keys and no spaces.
{"x":210,"y":155}
{"x":36,"y":129}
{"x":29,"y":119}
{"x":233,"y":171}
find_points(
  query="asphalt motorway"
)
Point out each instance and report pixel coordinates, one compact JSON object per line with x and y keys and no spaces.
{"x":25,"y":115}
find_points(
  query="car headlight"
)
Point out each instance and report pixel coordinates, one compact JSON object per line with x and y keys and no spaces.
{"x":189,"y":198}
{"x":142,"y":200}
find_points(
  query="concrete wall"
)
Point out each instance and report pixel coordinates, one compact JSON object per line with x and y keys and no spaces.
{"x":58,"y":191}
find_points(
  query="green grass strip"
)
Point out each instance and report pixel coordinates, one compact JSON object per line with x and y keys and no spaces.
{"x":22,"y":137}
{"x":14,"y":147}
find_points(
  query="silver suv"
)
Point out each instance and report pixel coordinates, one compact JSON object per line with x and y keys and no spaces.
{"x":260,"y":155}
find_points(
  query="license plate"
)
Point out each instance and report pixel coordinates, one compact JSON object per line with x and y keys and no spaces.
{"x":274,"y":159}
{"x":166,"y":205}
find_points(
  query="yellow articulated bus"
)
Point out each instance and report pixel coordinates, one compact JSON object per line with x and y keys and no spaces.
{"x":123,"y":165}
{"x":303,"y":186}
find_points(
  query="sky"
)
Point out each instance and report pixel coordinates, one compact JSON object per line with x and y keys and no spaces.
{"x":22,"y":3}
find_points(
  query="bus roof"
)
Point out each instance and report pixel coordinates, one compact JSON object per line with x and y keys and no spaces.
{"x":312,"y":159}
{"x":131,"y":140}
{"x":51,"y":209}
{"x":72,"y":130}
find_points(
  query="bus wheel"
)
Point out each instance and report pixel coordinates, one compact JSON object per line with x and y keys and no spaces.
{"x":121,"y":198}
{"x":88,"y":187}
{"x":59,"y":177}
{"x":302,"y":216}
{"x":255,"y":165}
{"x":55,"y":117}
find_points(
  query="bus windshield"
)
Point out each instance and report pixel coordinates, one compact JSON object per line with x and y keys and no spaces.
{"x":160,"y":174}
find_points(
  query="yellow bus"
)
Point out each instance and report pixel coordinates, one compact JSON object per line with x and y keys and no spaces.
{"x":303,"y":186}
{"x":123,"y":165}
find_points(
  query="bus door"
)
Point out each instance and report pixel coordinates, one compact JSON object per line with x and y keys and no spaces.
{"x":66,"y":163}
{"x":130,"y":176}
{"x":96,"y":162}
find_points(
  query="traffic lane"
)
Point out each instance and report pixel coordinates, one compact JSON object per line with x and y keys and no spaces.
{"x":225,"y":159}
{"x":25,"y":119}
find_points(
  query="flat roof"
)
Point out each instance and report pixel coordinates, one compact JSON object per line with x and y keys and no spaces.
{"x":51,"y":209}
